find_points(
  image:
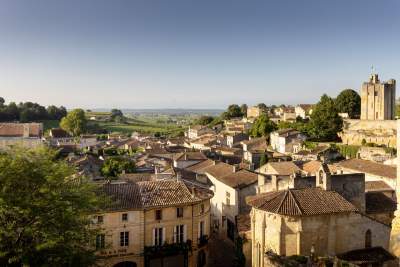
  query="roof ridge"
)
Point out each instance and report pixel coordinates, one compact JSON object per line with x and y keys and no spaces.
{"x":296,"y":202}
{"x":280,"y":204}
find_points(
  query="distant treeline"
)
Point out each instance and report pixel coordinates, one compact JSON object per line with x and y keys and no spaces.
{"x":28,"y":111}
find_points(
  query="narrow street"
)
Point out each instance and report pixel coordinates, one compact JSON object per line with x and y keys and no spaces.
{"x":222,"y":252}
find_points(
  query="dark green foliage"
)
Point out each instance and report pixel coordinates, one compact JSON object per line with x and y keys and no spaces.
{"x":44,"y":211}
{"x":204,"y":120}
{"x":113,"y":166}
{"x":325,"y":121}
{"x":263,"y":160}
{"x":347,"y":151}
{"x":349,"y":101}
{"x":28,"y":112}
{"x":263,"y":126}
{"x":233,"y":111}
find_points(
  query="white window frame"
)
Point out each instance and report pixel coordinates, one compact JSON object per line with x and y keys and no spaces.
{"x":180,"y":233}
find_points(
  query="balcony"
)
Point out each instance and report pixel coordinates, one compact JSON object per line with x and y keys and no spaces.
{"x":202,"y":241}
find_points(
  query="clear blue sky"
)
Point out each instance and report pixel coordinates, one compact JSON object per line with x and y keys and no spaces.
{"x":192,"y":54}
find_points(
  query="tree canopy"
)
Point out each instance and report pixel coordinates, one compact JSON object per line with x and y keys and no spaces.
{"x":233,"y":111}
{"x":204,"y":120}
{"x":263,"y":126}
{"x":349,"y":101}
{"x":28,"y":112}
{"x":44,"y":211}
{"x":243,"y":109}
{"x":113,"y":166}
{"x":325,"y":121}
{"x":75,"y":122}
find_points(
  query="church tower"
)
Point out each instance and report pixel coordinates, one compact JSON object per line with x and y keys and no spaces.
{"x":378,"y":99}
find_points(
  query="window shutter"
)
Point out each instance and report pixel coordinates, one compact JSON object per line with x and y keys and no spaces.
{"x":184,"y":233}
{"x":175,"y":233}
{"x":163,"y":235}
{"x":154,"y":236}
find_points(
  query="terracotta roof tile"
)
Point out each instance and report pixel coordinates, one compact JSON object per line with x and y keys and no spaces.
{"x":371,"y":186}
{"x":150,"y":194}
{"x":378,"y":202}
{"x":301,"y":202}
{"x":366,"y":166}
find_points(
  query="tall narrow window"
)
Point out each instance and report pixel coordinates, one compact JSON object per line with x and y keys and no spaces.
{"x":179,"y":233}
{"x":124,"y":239}
{"x":368,"y":239}
{"x":124,"y":217}
{"x":202,"y":208}
{"x":158,"y":236}
{"x":100,"y":241}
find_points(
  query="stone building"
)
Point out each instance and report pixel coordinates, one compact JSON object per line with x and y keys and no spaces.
{"x":154,"y":223}
{"x":328,"y":218}
{"x":28,"y":135}
{"x":378,"y":99}
{"x":254,"y":112}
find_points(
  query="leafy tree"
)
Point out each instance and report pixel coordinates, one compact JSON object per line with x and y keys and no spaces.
{"x":204,"y":120}
{"x":55,"y":113}
{"x":233,"y":111}
{"x":243,"y":109}
{"x":349,"y":101}
{"x":44,"y":211}
{"x":263,"y":160}
{"x":116,"y":112}
{"x":263,"y":126}
{"x":2,"y":101}
{"x":325,"y":121}
{"x":75,"y":122}
{"x":113,"y":166}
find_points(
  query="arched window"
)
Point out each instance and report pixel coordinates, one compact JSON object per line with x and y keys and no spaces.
{"x":368,"y":239}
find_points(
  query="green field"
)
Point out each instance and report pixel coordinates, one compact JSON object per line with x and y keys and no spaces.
{"x":142,"y":125}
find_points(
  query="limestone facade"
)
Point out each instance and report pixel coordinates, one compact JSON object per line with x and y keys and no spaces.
{"x":378,"y":99}
{"x":138,"y":235}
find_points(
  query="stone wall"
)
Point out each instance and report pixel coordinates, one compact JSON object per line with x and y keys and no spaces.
{"x":382,"y":132}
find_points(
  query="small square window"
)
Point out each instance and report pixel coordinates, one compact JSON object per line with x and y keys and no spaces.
{"x":124,"y":217}
{"x":158,"y":215}
{"x":179,"y":212}
{"x":100,"y":219}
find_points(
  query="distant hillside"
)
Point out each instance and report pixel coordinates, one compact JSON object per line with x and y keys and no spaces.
{"x":211,"y":112}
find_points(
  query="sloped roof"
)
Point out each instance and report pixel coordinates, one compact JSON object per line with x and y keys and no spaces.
{"x":219,"y":170}
{"x":374,"y":186}
{"x":151,"y":194}
{"x":201,"y":166}
{"x":238,"y":179}
{"x":284,"y":167}
{"x":301,"y":202}
{"x":370,"y":167}
{"x":190,"y":156}
{"x":314,"y":165}
{"x":378,"y":202}
{"x":59,"y":133}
